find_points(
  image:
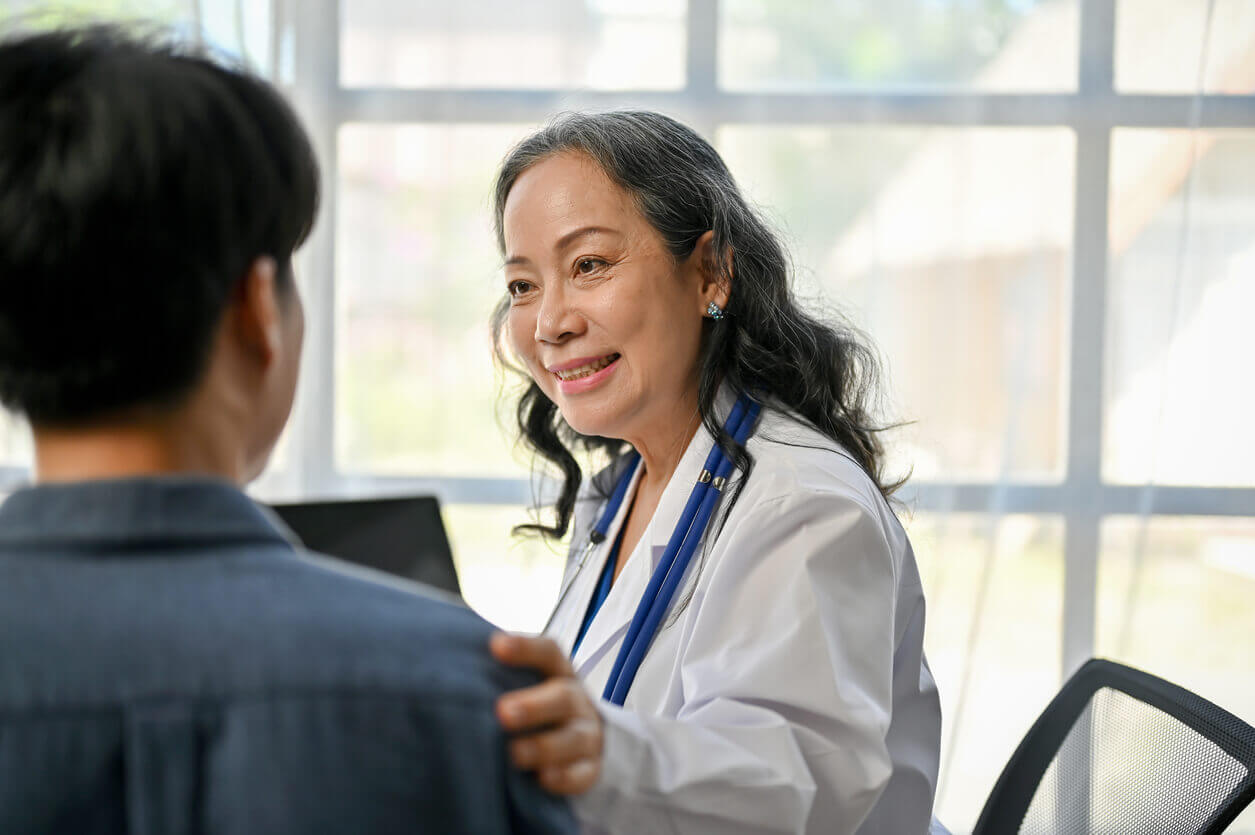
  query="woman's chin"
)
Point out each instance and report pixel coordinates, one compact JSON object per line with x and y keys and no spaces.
{"x":584,"y":426}
{"x":588,"y":422}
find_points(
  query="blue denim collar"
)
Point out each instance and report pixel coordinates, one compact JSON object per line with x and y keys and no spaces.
{"x":136,"y":512}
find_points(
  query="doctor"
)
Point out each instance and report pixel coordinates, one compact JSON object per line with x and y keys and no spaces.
{"x":760,"y":670}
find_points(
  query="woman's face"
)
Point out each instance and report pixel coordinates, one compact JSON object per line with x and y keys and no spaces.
{"x":601,"y":315}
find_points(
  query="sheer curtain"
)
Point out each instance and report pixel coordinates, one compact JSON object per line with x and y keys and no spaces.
{"x":1041,"y":211}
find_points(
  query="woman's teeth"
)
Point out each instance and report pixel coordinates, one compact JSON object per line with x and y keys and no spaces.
{"x":585,"y":370}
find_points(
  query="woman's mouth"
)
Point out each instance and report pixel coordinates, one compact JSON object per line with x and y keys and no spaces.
{"x":588,"y":374}
{"x":579,"y":372}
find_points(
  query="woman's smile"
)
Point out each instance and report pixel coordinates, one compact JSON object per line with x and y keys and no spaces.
{"x":585,"y":373}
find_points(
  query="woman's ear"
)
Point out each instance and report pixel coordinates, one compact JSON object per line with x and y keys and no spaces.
{"x":715,"y":270}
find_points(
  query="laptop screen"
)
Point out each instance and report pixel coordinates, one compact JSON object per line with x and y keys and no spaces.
{"x":401,"y":536}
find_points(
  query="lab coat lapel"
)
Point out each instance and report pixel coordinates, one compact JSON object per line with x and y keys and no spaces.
{"x":609,"y":624}
{"x":606,"y":632}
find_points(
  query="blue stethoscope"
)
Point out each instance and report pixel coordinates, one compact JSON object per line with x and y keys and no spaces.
{"x":683,"y":543}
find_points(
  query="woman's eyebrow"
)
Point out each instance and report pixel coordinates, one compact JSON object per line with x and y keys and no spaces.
{"x":564,"y":242}
{"x":575,"y":234}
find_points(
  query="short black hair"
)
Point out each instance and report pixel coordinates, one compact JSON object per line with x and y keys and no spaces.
{"x":139,"y":179}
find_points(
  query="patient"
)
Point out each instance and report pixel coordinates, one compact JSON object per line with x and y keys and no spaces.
{"x":169,"y":661}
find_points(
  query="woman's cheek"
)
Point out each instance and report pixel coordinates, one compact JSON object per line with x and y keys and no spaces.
{"x":518,"y":333}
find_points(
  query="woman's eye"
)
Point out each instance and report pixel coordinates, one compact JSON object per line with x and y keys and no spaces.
{"x":584,"y":266}
{"x":518,"y":288}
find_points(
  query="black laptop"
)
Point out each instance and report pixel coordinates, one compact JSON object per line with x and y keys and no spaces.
{"x":402,"y":536}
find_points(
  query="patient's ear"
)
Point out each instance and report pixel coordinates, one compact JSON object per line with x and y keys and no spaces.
{"x":257,"y":311}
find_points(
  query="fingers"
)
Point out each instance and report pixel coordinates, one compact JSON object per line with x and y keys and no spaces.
{"x":566,"y":761}
{"x":541,"y":654}
{"x":551,"y":702}
{"x":560,"y":731}
{"x":576,"y":778}
{"x":577,"y":740}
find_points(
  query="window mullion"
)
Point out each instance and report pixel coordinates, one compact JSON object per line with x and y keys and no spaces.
{"x":1087,"y":341}
{"x":315,"y":91}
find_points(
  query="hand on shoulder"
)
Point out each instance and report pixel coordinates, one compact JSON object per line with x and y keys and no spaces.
{"x":557,"y":731}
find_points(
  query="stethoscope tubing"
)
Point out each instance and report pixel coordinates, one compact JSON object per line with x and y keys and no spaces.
{"x":667,"y":576}
{"x":685,"y":523}
{"x":683,"y":543}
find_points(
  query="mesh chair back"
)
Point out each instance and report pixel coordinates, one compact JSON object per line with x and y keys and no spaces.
{"x":1121,"y":751}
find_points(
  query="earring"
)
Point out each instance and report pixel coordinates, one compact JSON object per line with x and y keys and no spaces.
{"x":714,"y":311}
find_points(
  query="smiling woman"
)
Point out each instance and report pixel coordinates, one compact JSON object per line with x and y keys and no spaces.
{"x":777,"y":682}
{"x":607,"y":323}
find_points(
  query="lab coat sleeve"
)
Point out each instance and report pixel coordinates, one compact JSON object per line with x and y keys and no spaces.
{"x":786,"y":670}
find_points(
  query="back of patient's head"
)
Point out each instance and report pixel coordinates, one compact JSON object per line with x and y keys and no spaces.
{"x":138,"y":183}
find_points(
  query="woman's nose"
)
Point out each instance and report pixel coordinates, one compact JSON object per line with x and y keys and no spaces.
{"x":558,"y":318}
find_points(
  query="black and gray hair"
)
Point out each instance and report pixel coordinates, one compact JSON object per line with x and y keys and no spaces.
{"x":766,"y":344}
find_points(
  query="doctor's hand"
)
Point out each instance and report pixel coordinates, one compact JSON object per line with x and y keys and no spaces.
{"x":557,"y":729}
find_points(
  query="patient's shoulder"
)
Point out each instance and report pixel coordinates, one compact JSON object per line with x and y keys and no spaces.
{"x":359,"y":625}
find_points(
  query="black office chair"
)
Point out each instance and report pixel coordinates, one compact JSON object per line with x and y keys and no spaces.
{"x":1121,"y":751}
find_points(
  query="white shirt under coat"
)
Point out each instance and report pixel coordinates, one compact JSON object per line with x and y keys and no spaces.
{"x":791,"y":693}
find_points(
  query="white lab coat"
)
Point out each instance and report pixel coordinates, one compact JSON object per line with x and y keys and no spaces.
{"x":791,"y":693}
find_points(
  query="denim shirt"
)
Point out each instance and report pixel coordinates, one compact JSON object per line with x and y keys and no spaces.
{"x":171,"y":663}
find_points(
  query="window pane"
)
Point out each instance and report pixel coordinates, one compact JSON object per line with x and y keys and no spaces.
{"x":995,"y":604}
{"x":511,"y":581}
{"x":417,"y":276}
{"x":601,"y":44}
{"x":1179,"y":340}
{"x":952,"y":248}
{"x":1000,"y":45}
{"x":1160,"y":43}
{"x":1174,"y":598}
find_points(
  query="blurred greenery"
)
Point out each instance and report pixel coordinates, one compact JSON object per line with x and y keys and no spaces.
{"x":47,"y":14}
{"x":398,"y":414}
{"x":803,"y":42}
{"x":812,"y":182}
{"x":418,"y":278}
